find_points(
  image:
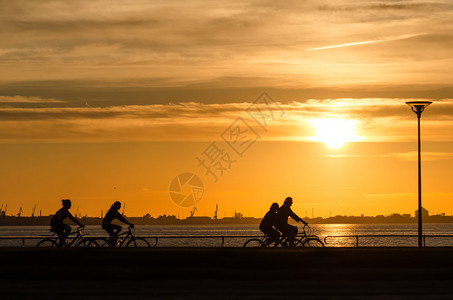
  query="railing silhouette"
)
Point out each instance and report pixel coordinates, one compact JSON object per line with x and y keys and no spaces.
{"x":357,"y":237}
{"x":154,"y":238}
{"x":357,"y":240}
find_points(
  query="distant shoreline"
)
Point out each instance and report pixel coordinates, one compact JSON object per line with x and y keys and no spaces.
{"x":204,"y":220}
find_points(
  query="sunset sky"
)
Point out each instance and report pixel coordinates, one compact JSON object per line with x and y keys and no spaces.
{"x":110,"y":100}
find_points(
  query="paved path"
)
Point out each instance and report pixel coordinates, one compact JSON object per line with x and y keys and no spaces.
{"x":216,"y":273}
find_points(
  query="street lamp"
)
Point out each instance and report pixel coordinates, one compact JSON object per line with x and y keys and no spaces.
{"x":418,"y":107}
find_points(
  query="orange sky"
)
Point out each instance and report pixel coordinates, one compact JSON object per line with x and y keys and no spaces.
{"x":102,"y":102}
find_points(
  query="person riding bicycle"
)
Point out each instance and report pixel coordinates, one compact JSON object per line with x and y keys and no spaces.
{"x":267,"y":225}
{"x":281,"y":221}
{"x":58,"y":226}
{"x":112,"y":229}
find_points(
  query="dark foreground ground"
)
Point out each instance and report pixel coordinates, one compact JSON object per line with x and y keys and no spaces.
{"x":185,"y":273}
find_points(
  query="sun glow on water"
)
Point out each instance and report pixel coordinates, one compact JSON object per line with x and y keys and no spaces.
{"x":334,"y":132}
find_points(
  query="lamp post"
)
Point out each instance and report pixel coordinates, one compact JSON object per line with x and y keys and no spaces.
{"x":418,"y":107}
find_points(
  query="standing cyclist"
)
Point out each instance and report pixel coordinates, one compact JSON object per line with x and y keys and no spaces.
{"x":281,"y":221}
{"x":58,"y":226}
{"x":113,"y":229}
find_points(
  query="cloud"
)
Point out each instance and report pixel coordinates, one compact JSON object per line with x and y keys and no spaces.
{"x":380,"y":120}
{"x":426,"y":156}
{"x":24,"y":99}
{"x":172,"y":122}
{"x":388,"y":39}
{"x":247,"y":43}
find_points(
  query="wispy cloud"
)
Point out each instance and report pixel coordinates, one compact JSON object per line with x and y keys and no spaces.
{"x":426,"y":156}
{"x":388,"y":39}
{"x":223,"y":44}
{"x":24,"y":99}
{"x":376,"y":120}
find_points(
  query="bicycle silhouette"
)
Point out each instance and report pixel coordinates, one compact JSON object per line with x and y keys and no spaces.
{"x":303,"y":240}
{"x":79,"y":240}
{"x":125,"y":239}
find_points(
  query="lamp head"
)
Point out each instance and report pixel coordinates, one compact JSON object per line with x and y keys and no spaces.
{"x":418,"y":106}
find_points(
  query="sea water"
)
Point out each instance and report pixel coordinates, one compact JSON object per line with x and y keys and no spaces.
{"x":335,"y":235}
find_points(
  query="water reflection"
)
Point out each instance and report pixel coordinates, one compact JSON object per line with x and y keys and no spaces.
{"x":403,"y":235}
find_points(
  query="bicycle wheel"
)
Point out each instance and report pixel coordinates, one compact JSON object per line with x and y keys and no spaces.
{"x":253,"y":243}
{"x":138,"y":242}
{"x":312,"y":242}
{"x":100,"y":242}
{"x":47,"y":243}
{"x":91,"y":243}
{"x":82,"y":243}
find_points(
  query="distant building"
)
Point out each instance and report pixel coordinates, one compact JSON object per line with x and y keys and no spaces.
{"x":425,"y":213}
{"x":238,"y":215}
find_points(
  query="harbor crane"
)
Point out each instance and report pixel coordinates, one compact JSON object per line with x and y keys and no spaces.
{"x":215,"y":213}
{"x":20,"y":212}
{"x":33,"y":212}
{"x":192,"y":212}
{"x":124,"y":207}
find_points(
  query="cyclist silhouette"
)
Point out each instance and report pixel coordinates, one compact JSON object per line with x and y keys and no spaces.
{"x":281,"y":221}
{"x":58,"y":226}
{"x":267,"y":225}
{"x":112,"y":229}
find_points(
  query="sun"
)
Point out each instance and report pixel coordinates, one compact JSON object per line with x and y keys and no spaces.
{"x":334,"y":132}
